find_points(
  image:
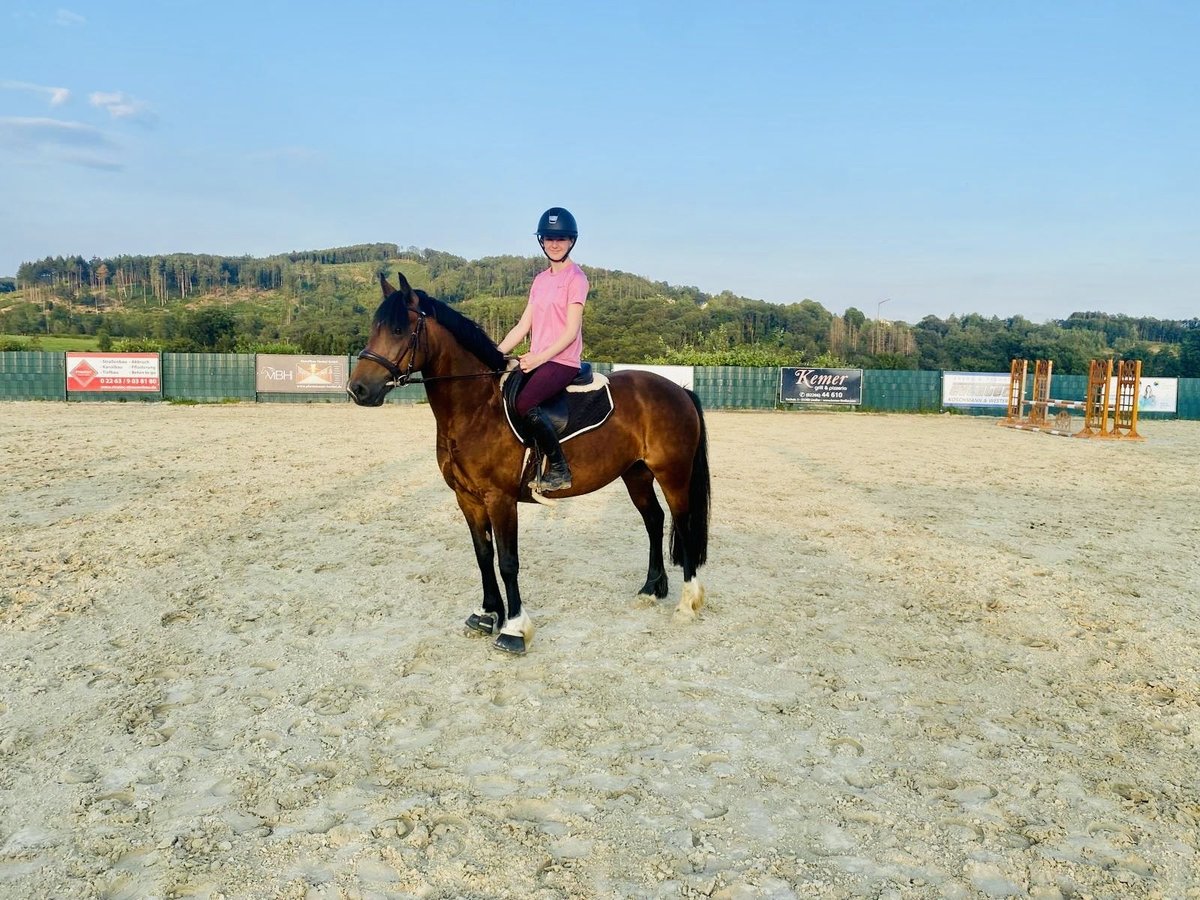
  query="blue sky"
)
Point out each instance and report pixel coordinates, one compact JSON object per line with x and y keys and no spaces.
{"x":1005,"y":158}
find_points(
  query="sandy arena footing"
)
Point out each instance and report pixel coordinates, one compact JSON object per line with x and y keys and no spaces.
{"x":937,"y":658}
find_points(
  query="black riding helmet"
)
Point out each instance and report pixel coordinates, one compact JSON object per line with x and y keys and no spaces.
{"x":557,"y":222}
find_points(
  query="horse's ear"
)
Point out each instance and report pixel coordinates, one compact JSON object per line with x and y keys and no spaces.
{"x":402,"y":286}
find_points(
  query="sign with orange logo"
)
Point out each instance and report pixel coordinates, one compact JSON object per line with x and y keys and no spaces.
{"x":108,"y":372}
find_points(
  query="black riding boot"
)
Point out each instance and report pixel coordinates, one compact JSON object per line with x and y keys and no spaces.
{"x":558,"y":473}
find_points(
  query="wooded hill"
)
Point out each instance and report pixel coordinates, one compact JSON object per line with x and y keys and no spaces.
{"x":321,"y":301}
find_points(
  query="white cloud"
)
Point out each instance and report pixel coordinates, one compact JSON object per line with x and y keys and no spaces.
{"x":121,"y":106}
{"x":31,"y":132}
{"x":56,"y":95}
{"x":68,"y":19}
{"x":89,"y":161}
{"x":69,"y":142}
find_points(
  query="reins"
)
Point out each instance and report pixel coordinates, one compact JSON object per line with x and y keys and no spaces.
{"x":401,"y":378}
{"x":489,"y":374}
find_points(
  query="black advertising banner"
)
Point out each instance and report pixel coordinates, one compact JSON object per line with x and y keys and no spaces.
{"x":821,"y":386}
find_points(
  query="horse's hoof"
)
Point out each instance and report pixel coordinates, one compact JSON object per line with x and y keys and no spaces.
{"x":691,"y":601}
{"x":656,"y":588}
{"x":510,"y":643}
{"x":482,"y":624}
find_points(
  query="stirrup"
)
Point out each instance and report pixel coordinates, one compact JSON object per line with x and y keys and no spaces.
{"x":551,"y":481}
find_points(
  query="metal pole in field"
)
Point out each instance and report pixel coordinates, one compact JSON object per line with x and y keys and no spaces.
{"x":878,"y":348}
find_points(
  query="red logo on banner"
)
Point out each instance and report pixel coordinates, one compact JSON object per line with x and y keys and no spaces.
{"x":83,"y":375}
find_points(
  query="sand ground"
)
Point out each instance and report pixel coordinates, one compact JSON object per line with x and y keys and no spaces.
{"x":938,"y":659}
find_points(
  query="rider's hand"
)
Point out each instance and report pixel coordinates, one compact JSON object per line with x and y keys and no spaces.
{"x":531,"y":361}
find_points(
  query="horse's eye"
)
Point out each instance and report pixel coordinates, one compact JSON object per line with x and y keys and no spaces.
{"x":398,"y":330}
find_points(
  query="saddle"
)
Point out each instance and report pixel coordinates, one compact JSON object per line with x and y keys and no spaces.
{"x":584,"y":405}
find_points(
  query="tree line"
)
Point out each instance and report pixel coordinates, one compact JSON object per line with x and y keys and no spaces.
{"x":182,"y":275}
{"x":320,"y":301}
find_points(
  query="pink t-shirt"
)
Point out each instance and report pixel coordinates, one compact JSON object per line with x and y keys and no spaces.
{"x":549,"y":298}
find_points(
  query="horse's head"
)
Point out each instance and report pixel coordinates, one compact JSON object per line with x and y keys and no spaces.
{"x":395,"y":348}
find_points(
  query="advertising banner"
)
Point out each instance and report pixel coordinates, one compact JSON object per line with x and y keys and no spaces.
{"x":684,"y":376}
{"x":1155,"y":394}
{"x":975,"y":389}
{"x":286,"y":374}
{"x":798,"y":385}
{"x":109,"y":372}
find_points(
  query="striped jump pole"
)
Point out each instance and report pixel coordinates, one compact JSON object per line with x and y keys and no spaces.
{"x":1044,"y":429}
{"x":1061,"y":404}
{"x":1035,"y":419}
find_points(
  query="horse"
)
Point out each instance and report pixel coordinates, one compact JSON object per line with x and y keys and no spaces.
{"x":656,"y":433}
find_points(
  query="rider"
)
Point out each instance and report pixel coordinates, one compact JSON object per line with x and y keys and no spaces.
{"x":553,"y":319}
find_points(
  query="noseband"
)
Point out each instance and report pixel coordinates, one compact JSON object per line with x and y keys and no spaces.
{"x":399,"y":377}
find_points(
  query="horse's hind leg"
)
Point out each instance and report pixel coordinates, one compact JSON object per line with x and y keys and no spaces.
{"x":685,"y":542}
{"x":640,"y":483}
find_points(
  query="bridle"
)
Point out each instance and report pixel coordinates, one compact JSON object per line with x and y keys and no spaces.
{"x":401,"y":377}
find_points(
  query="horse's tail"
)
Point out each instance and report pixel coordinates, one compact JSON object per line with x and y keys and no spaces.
{"x":692,"y":538}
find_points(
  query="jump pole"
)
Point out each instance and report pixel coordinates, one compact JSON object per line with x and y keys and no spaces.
{"x":1038,"y":402}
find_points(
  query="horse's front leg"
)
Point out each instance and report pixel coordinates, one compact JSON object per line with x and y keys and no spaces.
{"x":517,"y":630}
{"x":490,"y":614}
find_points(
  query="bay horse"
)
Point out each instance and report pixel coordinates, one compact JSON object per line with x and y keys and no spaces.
{"x":656,"y":432}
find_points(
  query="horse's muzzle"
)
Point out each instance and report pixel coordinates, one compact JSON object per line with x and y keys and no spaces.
{"x":366,"y":395}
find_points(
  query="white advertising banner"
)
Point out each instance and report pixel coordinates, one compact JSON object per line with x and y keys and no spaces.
{"x":975,"y":389}
{"x":684,"y":376}
{"x":1155,"y":394}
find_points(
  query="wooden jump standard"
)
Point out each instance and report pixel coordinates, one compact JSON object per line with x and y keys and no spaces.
{"x":1102,"y":402}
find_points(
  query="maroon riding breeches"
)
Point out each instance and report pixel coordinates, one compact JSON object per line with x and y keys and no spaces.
{"x":542,"y":384}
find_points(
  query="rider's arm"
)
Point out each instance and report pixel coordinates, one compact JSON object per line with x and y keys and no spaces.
{"x":519,"y":331}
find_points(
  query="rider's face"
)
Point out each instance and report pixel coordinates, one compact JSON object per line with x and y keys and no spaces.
{"x":557,"y":248}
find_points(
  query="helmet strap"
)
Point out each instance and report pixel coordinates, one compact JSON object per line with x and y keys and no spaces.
{"x":542,"y":244}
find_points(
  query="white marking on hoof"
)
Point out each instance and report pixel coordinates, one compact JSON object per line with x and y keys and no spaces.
{"x":521,"y":626}
{"x":692,"y":599}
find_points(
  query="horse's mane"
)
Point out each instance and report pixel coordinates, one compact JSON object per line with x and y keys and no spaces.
{"x":393,"y":313}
